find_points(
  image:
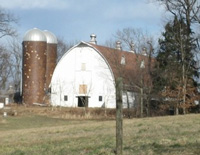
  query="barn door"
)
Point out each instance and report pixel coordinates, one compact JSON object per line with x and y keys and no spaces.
{"x":83,"y":101}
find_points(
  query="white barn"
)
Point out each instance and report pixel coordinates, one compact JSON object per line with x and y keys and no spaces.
{"x":85,"y":76}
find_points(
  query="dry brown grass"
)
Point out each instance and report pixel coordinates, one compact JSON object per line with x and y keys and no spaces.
{"x":60,"y":112}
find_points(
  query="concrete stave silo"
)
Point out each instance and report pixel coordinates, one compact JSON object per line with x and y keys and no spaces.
{"x":34,"y":66}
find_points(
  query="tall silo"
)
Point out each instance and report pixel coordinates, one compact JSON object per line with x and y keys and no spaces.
{"x":51,"y":56}
{"x":34,"y":66}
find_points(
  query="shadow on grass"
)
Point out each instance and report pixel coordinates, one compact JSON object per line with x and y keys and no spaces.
{"x":18,"y":152}
{"x":156,"y":148}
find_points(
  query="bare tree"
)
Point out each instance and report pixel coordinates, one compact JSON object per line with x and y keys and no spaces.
{"x":128,"y":74}
{"x":16,"y":63}
{"x":4,"y":66}
{"x":187,"y":9}
{"x":140,"y":43}
{"x":7,"y":21}
{"x":134,"y":38}
{"x":63,"y":47}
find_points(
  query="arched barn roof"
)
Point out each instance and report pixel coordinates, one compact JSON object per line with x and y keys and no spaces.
{"x":130,"y":69}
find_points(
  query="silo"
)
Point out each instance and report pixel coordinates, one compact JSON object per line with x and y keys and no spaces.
{"x":51,"y":56}
{"x":34,"y":66}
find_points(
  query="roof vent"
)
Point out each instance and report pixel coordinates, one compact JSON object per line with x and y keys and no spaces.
{"x":132,"y":47}
{"x":93,"y":39}
{"x":144,"y":51}
{"x":118,"y":45}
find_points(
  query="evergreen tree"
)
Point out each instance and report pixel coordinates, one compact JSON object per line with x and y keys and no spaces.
{"x":176,"y":65}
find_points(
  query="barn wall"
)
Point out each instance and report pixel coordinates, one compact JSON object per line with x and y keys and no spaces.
{"x":83,"y":66}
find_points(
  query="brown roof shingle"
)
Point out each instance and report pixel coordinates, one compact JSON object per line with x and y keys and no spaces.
{"x":130,"y":71}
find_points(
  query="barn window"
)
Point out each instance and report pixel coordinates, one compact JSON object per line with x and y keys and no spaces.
{"x":49,"y":90}
{"x":123,"y":61}
{"x":83,"y":89}
{"x":100,"y":98}
{"x":83,"y":66}
{"x":65,"y":98}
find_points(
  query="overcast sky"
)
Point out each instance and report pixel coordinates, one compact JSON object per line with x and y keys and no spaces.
{"x":77,"y":19}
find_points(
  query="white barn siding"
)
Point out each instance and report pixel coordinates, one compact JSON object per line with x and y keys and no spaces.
{"x":83,"y":65}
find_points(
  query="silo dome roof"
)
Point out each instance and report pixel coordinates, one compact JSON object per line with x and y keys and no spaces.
{"x":34,"y":35}
{"x":51,"y":38}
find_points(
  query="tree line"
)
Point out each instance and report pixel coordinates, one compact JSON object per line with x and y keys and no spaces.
{"x":173,"y":85}
{"x":174,"y":76}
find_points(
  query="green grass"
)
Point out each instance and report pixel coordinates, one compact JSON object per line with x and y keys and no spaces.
{"x":177,"y":135}
{"x":33,"y":121}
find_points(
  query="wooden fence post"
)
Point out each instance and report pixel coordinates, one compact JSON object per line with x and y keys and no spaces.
{"x":119,"y":116}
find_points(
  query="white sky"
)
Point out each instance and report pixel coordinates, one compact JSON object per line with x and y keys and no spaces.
{"x":77,"y":19}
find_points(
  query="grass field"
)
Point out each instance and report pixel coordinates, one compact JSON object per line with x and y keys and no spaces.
{"x":37,"y":134}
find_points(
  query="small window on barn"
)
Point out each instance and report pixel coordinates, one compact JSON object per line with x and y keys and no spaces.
{"x":123,"y":61}
{"x":100,"y":98}
{"x":83,"y":66}
{"x":65,"y":98}
{"x":49,"y":90}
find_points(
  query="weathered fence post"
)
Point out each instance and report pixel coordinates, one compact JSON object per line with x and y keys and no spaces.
{"x":119,"y":116}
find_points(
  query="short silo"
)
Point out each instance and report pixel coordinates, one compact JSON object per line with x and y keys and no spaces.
{"x":34,"y":66}
{"x":51,"y":56}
